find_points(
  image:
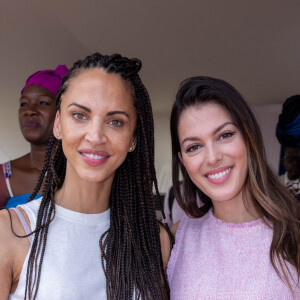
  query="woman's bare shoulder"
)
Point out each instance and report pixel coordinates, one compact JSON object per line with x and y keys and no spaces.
{"x":174,"y":228}
{"x":166,"y":241}
{"x":20,"y":163}
{"x":6,"y":234}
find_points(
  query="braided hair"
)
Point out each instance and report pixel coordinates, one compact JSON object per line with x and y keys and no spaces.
{"x":130,"y":249}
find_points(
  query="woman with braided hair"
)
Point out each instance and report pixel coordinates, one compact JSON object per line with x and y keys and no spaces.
{"x":94,"y":233}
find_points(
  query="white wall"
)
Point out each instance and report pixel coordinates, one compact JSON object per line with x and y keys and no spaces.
{"x":267,"y":117}
{"x":254,"y":45}
{"x":163,"y":155}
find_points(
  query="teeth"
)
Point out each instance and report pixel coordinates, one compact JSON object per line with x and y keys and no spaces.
{"x":219,"y":175}
{"x":90,"y":155}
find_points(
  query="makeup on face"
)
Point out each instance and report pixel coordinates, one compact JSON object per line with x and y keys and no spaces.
{"x":213,"y":151}
{"x":96,"y":124}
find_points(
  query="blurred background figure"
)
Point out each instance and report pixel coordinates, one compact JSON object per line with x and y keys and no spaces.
{"x":288,"y":134}
{"x":172,"y":209}
{"x":37,"y":111}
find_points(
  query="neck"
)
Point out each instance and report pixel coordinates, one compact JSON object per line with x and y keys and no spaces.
{"x":37,"y":156}
{"x":238,"y":210}
{"x":84,"y":197}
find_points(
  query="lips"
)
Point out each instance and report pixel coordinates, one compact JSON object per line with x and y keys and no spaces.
{"x":32,"y":124}
{"x":219,"y":175}
{"x":94,"y":157}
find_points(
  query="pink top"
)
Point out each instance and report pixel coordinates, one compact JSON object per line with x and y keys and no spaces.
{"x":212,"y":259}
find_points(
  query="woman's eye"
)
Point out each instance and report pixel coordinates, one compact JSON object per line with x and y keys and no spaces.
{"x":79,"y":116}
{"x":44,"y":103}
{"x":23,"y":104}
{"x":115,"y":123}
{"x":226,"y":135}
{"x":193,"y":148}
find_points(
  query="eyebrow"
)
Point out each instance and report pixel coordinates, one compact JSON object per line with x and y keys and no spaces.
{"x":42,"y":95}
{"x":80,"y":106}
{"x":117,"y":112}
{"x":110,"y":113}
{"x":214,"y":132}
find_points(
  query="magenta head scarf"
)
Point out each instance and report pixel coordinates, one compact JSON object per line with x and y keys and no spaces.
{"x":49,"y":79}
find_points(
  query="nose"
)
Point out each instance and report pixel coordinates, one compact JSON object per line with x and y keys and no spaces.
{"x":31,"y":109}
{"x":96,"y":133}
{"x":213,"y":154}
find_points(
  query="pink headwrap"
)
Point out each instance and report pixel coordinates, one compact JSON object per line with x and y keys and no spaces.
{"x":49,"y":79}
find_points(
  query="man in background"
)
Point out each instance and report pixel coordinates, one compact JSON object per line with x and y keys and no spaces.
{"x":288,"y":135}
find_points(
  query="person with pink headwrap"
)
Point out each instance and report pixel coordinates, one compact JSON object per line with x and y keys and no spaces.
{"x":36,"y":117}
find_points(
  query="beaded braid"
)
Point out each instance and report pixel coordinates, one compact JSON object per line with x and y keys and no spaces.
{"x":130,"y":248}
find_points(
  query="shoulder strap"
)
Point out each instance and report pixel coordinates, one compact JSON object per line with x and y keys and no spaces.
{"x":171,"y":201}
{"x":9,"y":187}
{"x":7,"y":173}
{"x":24,"y":223}
{"x":7,"y":168}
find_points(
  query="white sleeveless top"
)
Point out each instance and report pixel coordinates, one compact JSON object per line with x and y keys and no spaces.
{"x":72,"y":266}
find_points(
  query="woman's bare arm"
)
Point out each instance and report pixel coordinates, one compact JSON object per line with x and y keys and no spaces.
{"x":6,"y":255}
{"x":13,"y":251}
{"x":166,"y":245}
{"x":174,"y":228}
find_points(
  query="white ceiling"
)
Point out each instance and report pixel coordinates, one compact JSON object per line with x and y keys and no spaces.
{"x":255,"y":45}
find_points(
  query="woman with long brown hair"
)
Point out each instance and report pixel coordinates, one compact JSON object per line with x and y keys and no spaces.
{"x":95,"y":233}
{"x":242,"y":241}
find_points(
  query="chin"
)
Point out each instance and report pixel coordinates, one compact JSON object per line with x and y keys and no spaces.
{"x":223,"y":196}
{"x":94,"y":177}
{"x":34,"y":138}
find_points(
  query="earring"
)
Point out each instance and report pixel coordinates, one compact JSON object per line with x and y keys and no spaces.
{"x":57,"y":134}
{"x":133,"y":146}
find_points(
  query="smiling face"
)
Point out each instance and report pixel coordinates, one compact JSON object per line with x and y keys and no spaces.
{"x":213,"y":151}
{"x":36,"y":114}
{"x":96,"y":124}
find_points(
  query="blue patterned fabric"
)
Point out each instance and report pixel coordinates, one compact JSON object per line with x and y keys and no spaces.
{"x":18,"y":200}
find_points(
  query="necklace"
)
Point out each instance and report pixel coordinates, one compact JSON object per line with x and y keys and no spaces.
{"x":35,"y":165}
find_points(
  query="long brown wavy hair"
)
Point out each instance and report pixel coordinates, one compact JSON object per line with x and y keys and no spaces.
{"x":272,"y":200}
{"x":130,"y":249}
